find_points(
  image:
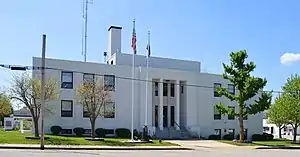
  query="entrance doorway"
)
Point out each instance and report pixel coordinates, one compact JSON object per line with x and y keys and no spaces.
{"x":165,"y":116}
{"x":156,"y":116}
{"x":172,"y":116}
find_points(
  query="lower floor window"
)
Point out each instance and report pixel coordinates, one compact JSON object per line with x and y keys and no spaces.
{"x":66,"y":131}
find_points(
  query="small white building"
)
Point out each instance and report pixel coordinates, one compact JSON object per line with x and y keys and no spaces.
{"x":180,"y":96}
{"x":286,"y":132}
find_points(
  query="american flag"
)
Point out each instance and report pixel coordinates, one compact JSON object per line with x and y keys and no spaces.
{"x":133,"y":40}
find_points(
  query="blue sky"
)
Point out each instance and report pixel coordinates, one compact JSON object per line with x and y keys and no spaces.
{"x":201,"y":30}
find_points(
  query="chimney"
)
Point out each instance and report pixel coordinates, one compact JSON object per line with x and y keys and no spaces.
{"x":114,"y":40}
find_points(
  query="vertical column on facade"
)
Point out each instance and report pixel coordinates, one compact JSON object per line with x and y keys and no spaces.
{"x":177,"y":107}
{"x":161,"y":104}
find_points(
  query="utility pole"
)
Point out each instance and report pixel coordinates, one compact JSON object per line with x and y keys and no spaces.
{"x":43,"y":91}
{"x":84,"y":32}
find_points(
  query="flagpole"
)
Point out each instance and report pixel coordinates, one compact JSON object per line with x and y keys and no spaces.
{"x":133,"y":77}
{"x":147,"y":81}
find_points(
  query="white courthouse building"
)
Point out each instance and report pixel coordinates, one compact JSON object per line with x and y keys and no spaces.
{"x":180,"y":97}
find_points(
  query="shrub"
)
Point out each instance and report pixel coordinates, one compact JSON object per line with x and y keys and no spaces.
{"x":100,"y":132}
{"x":228,"y":137}
{"x":122,"y":132}
{"x":257,"y":137}
{"x":55,"y":130}
{"x":268,"y":137}
{"x":214,"y":137}
{"x":78,"y":131}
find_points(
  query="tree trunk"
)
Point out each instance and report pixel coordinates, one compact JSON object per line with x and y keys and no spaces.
{"x":295,"y":133}
{"x":241,"y":121}
{"x":36,"y":126}
{"x":93,"y":127}
{"x":280,"y":128}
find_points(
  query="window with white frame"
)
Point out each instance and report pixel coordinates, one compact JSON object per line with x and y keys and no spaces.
{"x":217,"y":114}
{"x":231,"y":132}
{"x":216,"y":86}
{"x":109,"y":82}
{"x":66,"y":108}
{"x":85,"y":112}
{"x":109,"y":110}
{"x":88,"y":77}
{"x":67,"y":80}
{"x":231,"y":116}
{"x":156,"y":88}
{"x":231,"y":89}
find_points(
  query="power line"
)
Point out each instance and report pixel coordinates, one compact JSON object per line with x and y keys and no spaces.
{"x":118,"y":77}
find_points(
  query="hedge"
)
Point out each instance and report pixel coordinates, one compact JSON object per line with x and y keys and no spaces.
{"x":101,"y":132}
{"x":214,"y":137}
{"x":228,"y":137}
{"x":123,"y":132}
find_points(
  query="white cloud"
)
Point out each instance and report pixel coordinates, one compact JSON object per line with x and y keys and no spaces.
{"x":288,"y":58}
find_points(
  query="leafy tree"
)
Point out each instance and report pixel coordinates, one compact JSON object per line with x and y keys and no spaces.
{"x":27,"y":90}
{"x":239,"y":73}
{"x":291,"y":97}
{"x":93,"y":97}
{"x":277,"y":114}
{"x":5,"y":106}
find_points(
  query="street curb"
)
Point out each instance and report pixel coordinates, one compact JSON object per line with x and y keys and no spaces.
{"x":96,"y":148}
{"x":278,"y":147}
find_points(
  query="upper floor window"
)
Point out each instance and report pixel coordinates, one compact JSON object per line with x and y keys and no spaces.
{"x":182,"y":89}
{"x":231,"y":116}
{"x":66,"y":108}
{"x":216,"y":85}
{"x":66,"y":80}
{"x":109,"y":82}
{"x":231,"y":89}
{"x":165,"y":89}
{"x":156,"y":88}
{"x":88,"y":77}
{"x":172,"y":90}
{"x":85,"y":112}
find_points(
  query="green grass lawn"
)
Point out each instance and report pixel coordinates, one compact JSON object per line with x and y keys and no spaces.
{"x":15,"y":137}
{"x":275,"y":142}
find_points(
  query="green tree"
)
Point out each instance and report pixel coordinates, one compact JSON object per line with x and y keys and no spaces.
{"x":5,"y":106}
{"x":277,"y":114}
{"x":291,"y":97}
{"x":239,"y":73}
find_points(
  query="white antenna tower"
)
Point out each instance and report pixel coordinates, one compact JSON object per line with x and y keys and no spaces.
{"x":85,"y":4}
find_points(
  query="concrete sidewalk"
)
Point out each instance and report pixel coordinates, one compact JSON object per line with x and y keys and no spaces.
{"x":89,"y":147}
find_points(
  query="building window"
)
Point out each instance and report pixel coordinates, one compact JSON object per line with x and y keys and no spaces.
{"x":85,"y":112}
{"x":66,"y":80}
{"x":272,"y":130}
{"x":109,"y":110}
{"x":231,"y":116}
{"x":165,"y":89}
{"x":231,"y":89}
{"x":66,"y":131}
{"x":216,"y":85}
{"x":109,"y":82}
{"x":217,"y":114}
{"x":172,"y":90}
{"x":156,"y":88}
{"x":182,"y":88}
{"x":88,"y":77}
{"x":266,"y":128}
{"x":8,"y":124}
{"x":218,"y":133}
{"x":66,"y":108}
{"x":245,"y":117}
{"x":231,"y":132}
{"x":112,"y":62}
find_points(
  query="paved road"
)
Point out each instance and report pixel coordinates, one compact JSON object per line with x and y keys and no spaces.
{"x":199,"y":152}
